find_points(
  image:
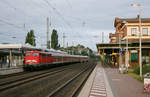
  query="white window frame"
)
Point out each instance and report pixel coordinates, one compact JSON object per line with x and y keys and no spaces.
{"x":133,"y":31}
{"x":145,"y":33}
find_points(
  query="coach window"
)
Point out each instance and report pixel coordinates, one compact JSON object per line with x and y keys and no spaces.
{"x":35,"y":54}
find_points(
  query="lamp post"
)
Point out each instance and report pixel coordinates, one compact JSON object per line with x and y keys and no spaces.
{"x":120,"y":64}
{"x":140,"y":50}
{"x":120,"y":51}
{"x":127,"y":60}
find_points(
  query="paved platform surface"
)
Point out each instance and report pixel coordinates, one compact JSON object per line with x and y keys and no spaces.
{"x":11,"y":70}
{"x":108,"y":82}
{"x":97,"y":85}
{"x":125,"y":85}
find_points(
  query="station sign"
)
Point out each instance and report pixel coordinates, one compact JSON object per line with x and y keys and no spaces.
{"x":114,"y":53}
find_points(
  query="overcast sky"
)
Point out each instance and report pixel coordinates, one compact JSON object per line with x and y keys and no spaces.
{"x":82,"y":21}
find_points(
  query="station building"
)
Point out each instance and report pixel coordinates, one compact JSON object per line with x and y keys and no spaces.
{"x":127,"y":32}
{"x":12,"y":55}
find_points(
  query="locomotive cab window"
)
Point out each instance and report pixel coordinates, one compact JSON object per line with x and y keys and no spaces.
{"x":28,"y":54}
{"x":35,"y":54}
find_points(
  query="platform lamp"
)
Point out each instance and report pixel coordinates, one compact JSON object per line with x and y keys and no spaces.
{"x":120,"y":65}
{"x":127,"y":59}
{"x":140,"y":50}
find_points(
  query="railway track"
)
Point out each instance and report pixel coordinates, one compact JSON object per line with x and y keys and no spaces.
{"x":12,"y":75}
{"x":77,"y":81}
{"x":25,"y":79}
{"x":6,"y":79}
{"x":65,"y":82}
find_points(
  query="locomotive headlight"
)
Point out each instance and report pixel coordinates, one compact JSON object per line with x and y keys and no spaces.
{"x":34,"y":61}
{"x":28,"y":61}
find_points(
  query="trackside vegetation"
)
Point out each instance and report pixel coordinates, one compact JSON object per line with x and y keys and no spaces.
{"x":136,"y":71}
{"x":145,"y":69}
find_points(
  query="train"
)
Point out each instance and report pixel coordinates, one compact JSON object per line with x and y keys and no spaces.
{"x":37,"y":60}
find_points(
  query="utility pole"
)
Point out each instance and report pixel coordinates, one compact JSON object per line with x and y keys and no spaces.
{"x":103,"y":49}
{"x":102,"y":37}
{"x":48,"y":41}
{"x":120,"y":53}
{"x":67,"y":44}
{"x":140,"y":35}
{"x":24,"y":27}
{"x":127,"y":59}
{"x":64,"y":39}
{"x":72,"y":47}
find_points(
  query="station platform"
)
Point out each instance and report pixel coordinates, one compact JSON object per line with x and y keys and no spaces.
{"x":11,"y":70}
{"x":97,"y":84}
{"x":108,"y":82}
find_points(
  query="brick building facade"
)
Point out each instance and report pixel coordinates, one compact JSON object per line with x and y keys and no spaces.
{"x":129,"y":27}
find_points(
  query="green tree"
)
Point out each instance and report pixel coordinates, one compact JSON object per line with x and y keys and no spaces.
{"x":30,"y":38}
{"x":54,"y":39}
{"x":48,"y":44}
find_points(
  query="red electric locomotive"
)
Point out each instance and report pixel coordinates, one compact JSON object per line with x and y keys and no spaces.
{"x":38,"y":57}
{"x":46,"y":59}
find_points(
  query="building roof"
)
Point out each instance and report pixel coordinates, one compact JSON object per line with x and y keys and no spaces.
{"x":120,"y":20}
{"x":133,"y":45}
{"x":12,"y":46}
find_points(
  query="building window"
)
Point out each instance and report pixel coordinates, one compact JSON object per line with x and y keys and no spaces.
{"x":145,"y":60}
{"x":134,"y":57}
{"x":133,"y":31}
{"x":145,"y":31}
{"x":145,"y":57}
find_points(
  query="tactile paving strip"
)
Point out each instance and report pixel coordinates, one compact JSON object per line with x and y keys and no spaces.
{"x":98,"y":88}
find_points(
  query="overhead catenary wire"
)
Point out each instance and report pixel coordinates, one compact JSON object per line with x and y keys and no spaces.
{"x":11,"y":24}
{"x":64,"y":23}
{"x":60,"y":16}
{"x":35,"y":3}
{"x":18,"y":9}
{"x":58,"y":13}
{"x":8,"y":4}
{"x":5,"y":20}
{"x":11,"y":6}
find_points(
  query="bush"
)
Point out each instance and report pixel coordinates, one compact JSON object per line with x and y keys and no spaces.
{"x":137,"y":70}
{"x":145,"y":69}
